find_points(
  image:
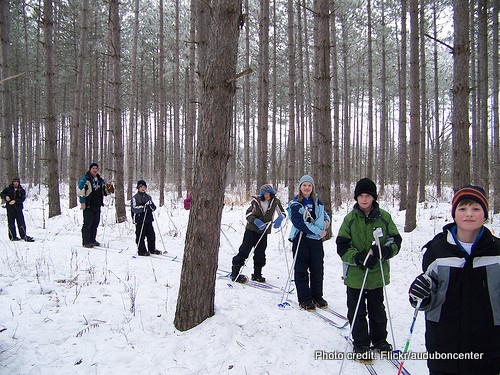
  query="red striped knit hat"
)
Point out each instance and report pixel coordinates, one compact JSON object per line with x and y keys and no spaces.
{"x":475,"y":193}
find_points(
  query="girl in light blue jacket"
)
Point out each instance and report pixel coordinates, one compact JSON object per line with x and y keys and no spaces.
{"x":310,"y":223}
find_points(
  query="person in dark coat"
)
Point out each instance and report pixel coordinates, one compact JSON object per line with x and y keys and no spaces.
{"x":91,"y":191}
{"x":14,"y":196}
{"x":459,"y":291}
{"x":142,"y":207}
{"x":259,"y":218}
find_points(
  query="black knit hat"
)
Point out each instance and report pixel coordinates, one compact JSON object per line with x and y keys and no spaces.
{"x":93,"y":164}
{"x":141,"y":183}
{"x":16,"y":179}
{"x":365,"y":186}
{"x":475,"y":193}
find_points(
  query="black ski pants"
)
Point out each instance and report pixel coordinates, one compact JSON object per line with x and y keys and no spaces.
{"x":91,"y":219}
{"x":250,"y":239}
{"x":309,"y":268}
{"x":371,"y":304}
{"x":148,"y":232}
{"x":15,"y":215}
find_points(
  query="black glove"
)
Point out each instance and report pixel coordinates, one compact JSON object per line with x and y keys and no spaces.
{"x":360,"y":257}
{"x":386,"y":251}
{"x":420,"y":289}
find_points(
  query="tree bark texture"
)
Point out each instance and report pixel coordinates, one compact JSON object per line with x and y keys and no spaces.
{"x":197,"y":286}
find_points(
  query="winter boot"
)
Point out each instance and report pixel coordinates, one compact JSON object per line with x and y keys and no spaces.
{"x":155,"y":252}
{"x":308,"y":305}
{"x":29,"y":239}
{"x":258,"y":277}
{"x":382,"y":346}
{"x":242,"y":279}
{"x":95,"y":243}
{"x":320,"y":302}
{"x":145,"y":254}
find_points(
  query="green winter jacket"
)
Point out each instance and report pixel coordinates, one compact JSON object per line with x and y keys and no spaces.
{"x":356,"y":235}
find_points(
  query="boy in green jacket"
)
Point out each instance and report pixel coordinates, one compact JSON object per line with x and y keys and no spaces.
{"x":360,"y":254}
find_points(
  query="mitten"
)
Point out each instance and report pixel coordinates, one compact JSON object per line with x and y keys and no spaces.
{"x":110,"y":188}
{"x":420,"y":289}
{"x":360,"y":257}
{"x":277,"y":222}
{"x":260,"y":224}
{"x":386,"y":251}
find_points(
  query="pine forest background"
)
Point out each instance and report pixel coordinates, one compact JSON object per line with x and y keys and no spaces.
{"x":405,"y":92}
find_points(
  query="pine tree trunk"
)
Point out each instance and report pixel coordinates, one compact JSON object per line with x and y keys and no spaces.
{"x":460,"y":90}
{"x":197,"y":285}
{"x":402,"y":144}
{"x":323,"y":118}
{"x":116,"y":110}
{"x":411,"y":209}
{"x":50,"y":117}
{"x":78,"y":110}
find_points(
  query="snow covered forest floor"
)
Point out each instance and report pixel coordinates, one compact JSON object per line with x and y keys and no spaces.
{"x":72,"y":310}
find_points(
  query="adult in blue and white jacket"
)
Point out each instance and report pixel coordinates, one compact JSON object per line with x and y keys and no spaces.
{"x":310,"y":223}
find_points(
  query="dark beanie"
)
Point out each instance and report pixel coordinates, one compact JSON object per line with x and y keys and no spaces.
{"x":16,"y":179}
{"x":141,"y":183}
{"x":93,"y":164}
{"x":475,"y":193}
{"x":365,"y":186}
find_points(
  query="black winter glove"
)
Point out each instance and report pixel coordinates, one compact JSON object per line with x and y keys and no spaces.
{"x":386,"y":251}
{"x":420,"y":289}
{"x":371,"y":261}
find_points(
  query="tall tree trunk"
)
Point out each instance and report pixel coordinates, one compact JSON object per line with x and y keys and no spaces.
{"x":437,"y":140}
{"x":246,"y":106}
{"x":162,"y":110}
{"x":323,"y":117}
{"x":176,"y":114}
{"x":495,"y":157}
{"x":337,"y":197}
{"x":50,"y":117}
{"x":263,"y":95}
{"x":191,"y":103}
{"x":291,"y":100}
{"x":371,"y":135}
{"x":460,"y":91}
{"x":197,"y":284}
{"x":132,"y":108}
{"x":483,"y":164}
{"x":8,"y":165}
{"x":75,"y":148}
{"x":402,"y":145}
{"x":383,"y":154}
{"x":116,"y":110}
{"x":346,"y":167}
{"x":423,"y":103}
{"x":411,"y":209}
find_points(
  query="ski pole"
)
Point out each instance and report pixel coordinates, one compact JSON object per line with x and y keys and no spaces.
{"x":376,"y":233}
{"x":407,"y":344}
{"x":229,"y":242}
{"x":356,"y":310}
{"x":289,"y":279}
{"x":142,"y":227}
{"x":159,"y":231}
{"x":231,"y":284}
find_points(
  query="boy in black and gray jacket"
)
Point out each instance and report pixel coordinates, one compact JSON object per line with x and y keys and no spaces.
{"x":142,"y":207}
{"x":460,"y":291}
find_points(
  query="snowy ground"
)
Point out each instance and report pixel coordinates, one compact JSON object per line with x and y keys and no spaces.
{"x":70,"y":310}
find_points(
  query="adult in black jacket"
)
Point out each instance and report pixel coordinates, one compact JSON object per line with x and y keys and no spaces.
{"x":91,"y":191}
{"x":460,"y":291}
{"x":142,"y":207}
{"x":14,"y":195}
